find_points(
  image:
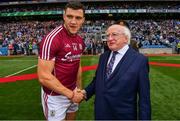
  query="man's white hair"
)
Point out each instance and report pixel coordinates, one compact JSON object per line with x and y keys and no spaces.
{"x":127,"y":33}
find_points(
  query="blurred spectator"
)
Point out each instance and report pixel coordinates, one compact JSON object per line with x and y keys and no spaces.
{"x":90,"y":6}
{"x":146,"y":33}
{"x":178,"y":47}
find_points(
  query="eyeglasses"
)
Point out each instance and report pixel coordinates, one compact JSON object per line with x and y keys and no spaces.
{"x":113,"y":35}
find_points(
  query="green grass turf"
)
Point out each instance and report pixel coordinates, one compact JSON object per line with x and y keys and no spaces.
{"x":21,"y":100}
{"x":89,"y":60}
{"x":10,"y":65}
{"x":165,"y":59}
{"x":165,"y":85}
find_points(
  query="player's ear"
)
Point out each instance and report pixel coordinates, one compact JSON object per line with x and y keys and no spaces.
{"x":84,"y":19}
{"x":64,"y":16}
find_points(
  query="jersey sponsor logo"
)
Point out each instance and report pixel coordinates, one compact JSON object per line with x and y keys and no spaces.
{"x":69,"y":57}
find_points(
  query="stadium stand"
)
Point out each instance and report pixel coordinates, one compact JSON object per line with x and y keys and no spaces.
{"x":153,"y":24}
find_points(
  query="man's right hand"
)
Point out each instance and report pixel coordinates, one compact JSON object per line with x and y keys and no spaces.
{"x":78,"y":96}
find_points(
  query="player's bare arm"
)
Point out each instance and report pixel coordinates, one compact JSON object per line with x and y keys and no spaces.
{"x":79,"y":77}
{"x":47,"y":79}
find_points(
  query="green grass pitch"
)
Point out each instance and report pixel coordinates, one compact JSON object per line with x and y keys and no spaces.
{"x":21,"y":100}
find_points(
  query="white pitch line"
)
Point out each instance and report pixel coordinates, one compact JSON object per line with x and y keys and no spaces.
{"x":19,"y":60}
{"x":21,"y":71}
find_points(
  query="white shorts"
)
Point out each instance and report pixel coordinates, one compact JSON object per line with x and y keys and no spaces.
{"x":56,"y":107}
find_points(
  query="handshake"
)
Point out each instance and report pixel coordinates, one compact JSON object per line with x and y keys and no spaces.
{"x":78,"y":95}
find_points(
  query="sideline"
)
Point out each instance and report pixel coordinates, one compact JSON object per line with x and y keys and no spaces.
{"x":84,"y":69}
{"x":26,"y":77}
{"x":21,"y":71}
{"x":164,"y":64}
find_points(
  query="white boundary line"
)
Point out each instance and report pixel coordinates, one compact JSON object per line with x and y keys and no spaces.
{"x":18,"y":60}
{"x":21,"y":71}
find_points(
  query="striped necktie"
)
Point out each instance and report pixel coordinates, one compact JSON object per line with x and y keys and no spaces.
{"x":110,"y":64}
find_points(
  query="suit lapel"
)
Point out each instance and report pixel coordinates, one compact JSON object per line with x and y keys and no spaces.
{"x":124,"y":63}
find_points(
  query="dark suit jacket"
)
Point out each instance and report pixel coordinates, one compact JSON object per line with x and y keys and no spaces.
{"x":125,"y":92}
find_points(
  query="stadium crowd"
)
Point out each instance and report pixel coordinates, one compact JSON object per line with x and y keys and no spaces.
{"x":90,"y":6}
{"x":23,"y":37}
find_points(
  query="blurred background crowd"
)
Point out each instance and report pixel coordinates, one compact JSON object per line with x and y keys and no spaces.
{"x":22,"y":35}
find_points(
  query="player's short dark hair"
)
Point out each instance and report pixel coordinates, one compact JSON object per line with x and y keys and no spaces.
{"x":122,"y":22}
{"x":75,"y":5}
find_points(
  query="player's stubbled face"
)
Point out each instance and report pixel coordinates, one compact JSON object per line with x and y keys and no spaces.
{"x":73,"y":20}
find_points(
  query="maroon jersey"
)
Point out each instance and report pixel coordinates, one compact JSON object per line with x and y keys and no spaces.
{"x":65,"y":50}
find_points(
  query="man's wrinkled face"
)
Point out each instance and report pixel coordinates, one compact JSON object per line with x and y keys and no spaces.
{"x":116,"y":38}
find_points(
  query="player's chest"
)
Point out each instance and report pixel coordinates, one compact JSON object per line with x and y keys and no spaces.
{"x":71,"y":51}
{"x":74,"y":47}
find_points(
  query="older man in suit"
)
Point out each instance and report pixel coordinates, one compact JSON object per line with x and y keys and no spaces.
{"x":121,"y":83}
